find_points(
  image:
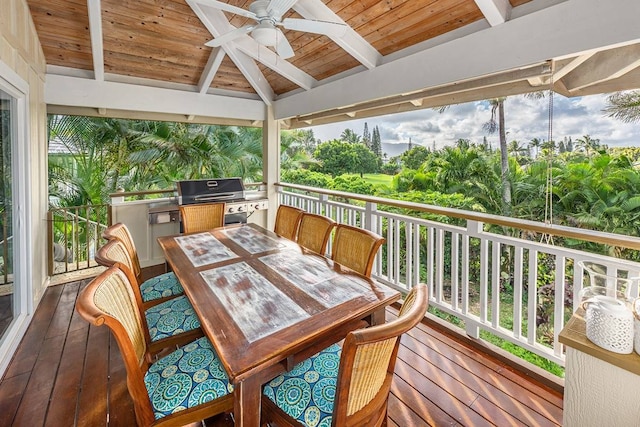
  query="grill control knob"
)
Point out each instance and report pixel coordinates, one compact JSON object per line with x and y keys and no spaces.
{"x":240,"y":208}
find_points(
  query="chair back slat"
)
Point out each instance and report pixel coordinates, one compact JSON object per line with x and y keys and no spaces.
{"x":115,"y":251}
{"x":121,"y":232}
{"x":287,"y":221}
{"x":110,"y":294}
{"x":314,"y":232}
{"x":109,"y":300}
{"x":368,"y":361}
{"x":202,"y":216}
{"x":115,"y":297}
{"x":355,"y":248}
{"x":369,"y":373}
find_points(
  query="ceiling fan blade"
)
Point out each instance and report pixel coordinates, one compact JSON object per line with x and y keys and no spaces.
{"x":283,"y":48}
{"x":233,"y":34}
{"x":230,"y":8}
{"x":277,"y":8}
{"x":332,"y":29}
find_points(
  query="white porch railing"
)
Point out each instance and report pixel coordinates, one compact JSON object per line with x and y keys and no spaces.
{"x":472,"y":273}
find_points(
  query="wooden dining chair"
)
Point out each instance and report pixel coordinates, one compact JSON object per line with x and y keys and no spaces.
{"x":314,"y":232}
{"x":355,"y":248}
{"x":344,"y":386}
{"x":202,"y":216}
{"x":169,"y":322}
{"x":158,"y":288}
{"x":188,"y":385}
{"x":287,"y":221}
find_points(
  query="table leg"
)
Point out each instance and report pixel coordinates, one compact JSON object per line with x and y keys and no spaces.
{"x":246,"y":403}
{"x":378,"y":317}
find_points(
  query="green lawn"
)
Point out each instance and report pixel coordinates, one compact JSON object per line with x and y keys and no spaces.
{"x":377,"y":179}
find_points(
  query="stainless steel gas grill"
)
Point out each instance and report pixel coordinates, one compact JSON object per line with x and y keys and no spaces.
{"x":228,"y":190}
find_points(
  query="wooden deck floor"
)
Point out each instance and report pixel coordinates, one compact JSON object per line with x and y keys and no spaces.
{"x":67,"y":373}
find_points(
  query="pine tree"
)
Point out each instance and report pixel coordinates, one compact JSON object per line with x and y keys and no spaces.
{"x":366,"y":136}
{"x":376,"y":144}
{"x":410,"y":144}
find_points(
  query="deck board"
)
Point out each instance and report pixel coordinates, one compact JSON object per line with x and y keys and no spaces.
{"x":67,"y":372}
{"x":92,"y":402}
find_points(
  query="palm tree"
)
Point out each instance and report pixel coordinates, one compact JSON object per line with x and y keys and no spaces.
{"x":624,"y":106}
{"x":294,"y":146}
{"x":535,"y":143}
{"x":588,"y":144}
{"x":493,"y":125}
{"x":348,"y":135}
{"x":82,"y":176}
{"x":518,"y":150}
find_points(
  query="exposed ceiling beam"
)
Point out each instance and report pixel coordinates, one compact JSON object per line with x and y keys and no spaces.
{"x":352,"y":42}
{"x":95,"y":28}
{"x":273,"y":61}
{"x":252,"y":73}
{"x":210,"y":70}
{"x":217,"y":24}
{"x":631,"y":80}
{"x":512,"y":47}
{"x":561,"y":69}
{"x":560,"y":72}
{"x":246,"y":44}
{"x":603,"y":66}
{"x":496,"y":12}
{"x":509,"y":89}
{"x":418,"y":99}
{"x":83,"y":92}
{"x":146,"y":115}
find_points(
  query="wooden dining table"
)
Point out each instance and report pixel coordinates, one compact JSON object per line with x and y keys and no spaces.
{"x":267,"y":304}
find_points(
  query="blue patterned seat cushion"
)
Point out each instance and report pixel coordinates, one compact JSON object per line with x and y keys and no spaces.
{"x":164,"y":285}
{"x":171,"y":318}
{"x":307,"y":392}
{"x":190,"y":376}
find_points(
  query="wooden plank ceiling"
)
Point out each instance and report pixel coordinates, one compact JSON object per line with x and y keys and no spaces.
{"x":164,"y":39}
{"x":162,"y":43}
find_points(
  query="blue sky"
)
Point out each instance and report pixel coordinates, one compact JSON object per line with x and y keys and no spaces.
{"x":525,"y":119}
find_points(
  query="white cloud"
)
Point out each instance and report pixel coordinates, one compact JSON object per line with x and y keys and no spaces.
{"x":526,"y":118}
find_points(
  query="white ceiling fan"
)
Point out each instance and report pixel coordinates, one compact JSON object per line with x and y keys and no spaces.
{"x":268,"y":16}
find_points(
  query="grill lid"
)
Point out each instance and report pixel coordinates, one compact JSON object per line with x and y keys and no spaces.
{"x":210,"y":190}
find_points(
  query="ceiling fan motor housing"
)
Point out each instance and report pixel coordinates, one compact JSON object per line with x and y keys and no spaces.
{"x":265,"y":33}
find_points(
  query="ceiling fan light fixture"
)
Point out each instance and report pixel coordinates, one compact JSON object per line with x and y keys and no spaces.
{"x":265,"y":34}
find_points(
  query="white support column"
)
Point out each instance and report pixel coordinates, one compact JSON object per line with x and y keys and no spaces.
{"x":271,"y":162}
{"x":369,"y":211}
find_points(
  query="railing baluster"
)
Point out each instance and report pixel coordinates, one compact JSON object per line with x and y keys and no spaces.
{"x":532,"y":299}
{"x":484,"y":272}
{"x":430,"y":266}
{"x":408,"y":248}
{"x":439,"y":271}
{"x":390,"y":249}
{"x":495,"y":284}
{"x":473,"y":254}
{"x":396,"y":251}
{"x":378,"y":221}
{"x":87,"y":233}
{"x":455,"y":260}
{"x":465,"y":274}
{"x":74,"y":223}
{"x":517,"y":292}
{"x":416,"y":254}
{"x":558,"y":309}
